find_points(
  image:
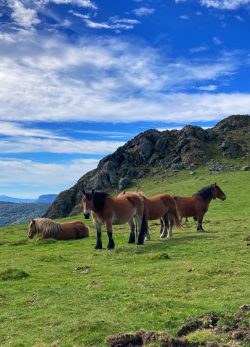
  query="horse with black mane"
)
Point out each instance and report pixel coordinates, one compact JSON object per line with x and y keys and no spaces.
{"x":115,"y":210}
{"x":197,"y":205}
{"x":59,"y":231}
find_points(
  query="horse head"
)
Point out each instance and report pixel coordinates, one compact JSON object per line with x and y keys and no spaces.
{"x":32,"y":229}
{"x":217,"y":192}
{"x":87,"y":202}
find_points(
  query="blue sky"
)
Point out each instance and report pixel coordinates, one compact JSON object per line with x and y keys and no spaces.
{"x":79,"y":78}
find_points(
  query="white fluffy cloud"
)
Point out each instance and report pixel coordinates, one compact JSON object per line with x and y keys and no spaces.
{"x":35,"y":145}
{"x":51,"y":80}
{"x":225,"y":4}
{"x":41,"y":177}
{"x":143,"y":11}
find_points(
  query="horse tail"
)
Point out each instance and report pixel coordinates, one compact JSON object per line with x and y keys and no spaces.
{"x":172,"y":213}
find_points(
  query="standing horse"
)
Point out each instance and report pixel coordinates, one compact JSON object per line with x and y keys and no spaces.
{"x":197,"y":205}
{"x":161,"y":206}
{"x":59,"y":231}
{"x":115,"y":210}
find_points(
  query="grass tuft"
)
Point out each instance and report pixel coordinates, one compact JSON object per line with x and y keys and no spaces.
{"x":13,"y":274}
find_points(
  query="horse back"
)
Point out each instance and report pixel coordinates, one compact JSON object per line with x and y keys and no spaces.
{"x":126,"y":206}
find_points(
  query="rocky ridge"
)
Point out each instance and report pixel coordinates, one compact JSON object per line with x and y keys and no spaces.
{"x":153,"y":150}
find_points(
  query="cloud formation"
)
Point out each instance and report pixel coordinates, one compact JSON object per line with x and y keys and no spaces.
{"x":225,"y":4}
{"x":42,"y":177}
{"x":58,"y":81}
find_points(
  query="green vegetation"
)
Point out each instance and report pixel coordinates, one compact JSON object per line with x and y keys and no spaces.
{"x":16,"y":213}
{"x":67,"y":291}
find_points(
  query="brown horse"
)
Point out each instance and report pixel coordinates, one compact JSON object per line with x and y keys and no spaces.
{"x":197,"y":205}
{"x":115,"y":210}
{"x":161,"y":206}
{"x":59,"y":231}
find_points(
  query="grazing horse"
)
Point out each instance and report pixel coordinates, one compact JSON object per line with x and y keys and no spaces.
{"x":161,"y":206}
{"x":59,"y":231}
{"x":115,"y":210}
{"x":197,"y":205}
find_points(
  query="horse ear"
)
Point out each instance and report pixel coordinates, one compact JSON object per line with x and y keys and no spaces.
{"x":92,"y":192}
{"x":124,"y":192}
{"x":33,"y":220}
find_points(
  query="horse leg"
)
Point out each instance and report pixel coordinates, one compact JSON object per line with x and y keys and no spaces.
{"x":199,"y":223}
{"x":142,"y":227}
{"x":164,"y":226}
{"x":132,"y":231}
{"x":111,"y":244}
{"x":99,"y":236}
{"x":170,"y":226}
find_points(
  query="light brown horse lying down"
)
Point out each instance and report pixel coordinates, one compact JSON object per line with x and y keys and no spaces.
{"x":115,"y":210}
{"x":59,"y":231}
{"x":161,"y":206}
{"x":197,"y":205}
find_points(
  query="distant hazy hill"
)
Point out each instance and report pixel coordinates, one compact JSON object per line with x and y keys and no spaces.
{"x":18,"y":213}
{"x":47,"y":198}
{"x":6,"y":198}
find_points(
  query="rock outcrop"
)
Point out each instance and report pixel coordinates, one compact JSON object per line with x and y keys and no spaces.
{"x":188,"y":148}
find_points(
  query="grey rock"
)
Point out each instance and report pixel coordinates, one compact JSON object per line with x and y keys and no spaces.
{"x":177,"y":166}
{"x":245,"y":168}
{"x":124,"y":183}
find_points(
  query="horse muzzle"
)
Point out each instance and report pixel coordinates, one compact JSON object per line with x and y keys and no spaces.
{"x":86,"y":215}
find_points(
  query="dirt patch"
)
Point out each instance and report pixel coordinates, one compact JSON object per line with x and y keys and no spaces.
{"x":144,"y":338}
{"x":82,"y":269}
{"x":206,"y":321}
{"x":235,"y":327}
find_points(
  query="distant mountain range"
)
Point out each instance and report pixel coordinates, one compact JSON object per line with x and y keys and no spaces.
{"x":47,"y":198}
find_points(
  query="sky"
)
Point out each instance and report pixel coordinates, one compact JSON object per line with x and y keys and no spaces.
{"x":79,"y":78}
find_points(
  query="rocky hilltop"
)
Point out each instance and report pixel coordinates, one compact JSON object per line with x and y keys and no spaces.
{"x":217,"y":148}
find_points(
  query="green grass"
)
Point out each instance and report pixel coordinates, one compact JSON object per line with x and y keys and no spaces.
{"x":67,"y":291}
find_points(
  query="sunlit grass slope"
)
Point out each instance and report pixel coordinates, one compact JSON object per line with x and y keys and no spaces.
{"x":68,"y":291}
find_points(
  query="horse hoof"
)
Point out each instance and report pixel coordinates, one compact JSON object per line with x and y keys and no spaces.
{"x":98,"y":247}
{"x":162,"y":236}
{"x":131,"y":241}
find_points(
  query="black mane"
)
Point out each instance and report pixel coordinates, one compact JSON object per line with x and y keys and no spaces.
{"x":206,"y":192}
{"x":99,"y":199}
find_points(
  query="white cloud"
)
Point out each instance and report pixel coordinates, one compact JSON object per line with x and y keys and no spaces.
{"x":23,"y":16}
{"x":217,"y":41}
{"x":35,"y":145}
{"x":114,"y":23}
{"x":225,"y":4}
{"x":15,"y":129}
{"x":199,"y":49}
{"x":80,"y":3}
{"x":184,"y":17}
{"x":143,"y":11}
{"x":51,"y":80}
{"x":209,"y":88}
{"x":25,"y":13}
{"x":45,"y":175}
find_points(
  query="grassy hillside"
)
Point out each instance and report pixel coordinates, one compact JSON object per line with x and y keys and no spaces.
{"x":68,"y":291}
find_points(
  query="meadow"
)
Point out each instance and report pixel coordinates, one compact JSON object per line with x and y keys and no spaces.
{"x":67,"y":291}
